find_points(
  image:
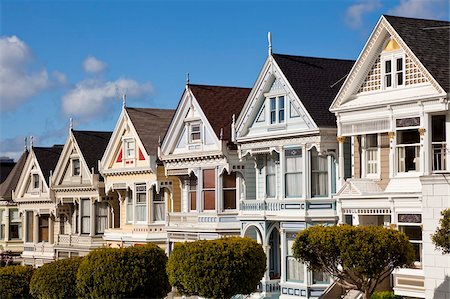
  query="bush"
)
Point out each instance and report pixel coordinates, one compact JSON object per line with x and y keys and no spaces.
{"x":385,"y":295}
{"x":15,"y":282}
{"x":56,"y":279}
{"x":441,"y":238}
{"x":217,"y":268}
{"x":136,"y":272}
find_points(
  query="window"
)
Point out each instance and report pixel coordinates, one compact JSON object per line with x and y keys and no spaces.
{"x":2,"y":224}
{"x":372,"y":154}
{"x":408,"y":150}
{"x":129,"y":206}
{"x":158,"y":205}
{"x":321,"y":277}
{"x":62,"y":224}
{"x":388,"y":73}
{"x":130,"y":151}
{"x":438,"y":143}
{"x":393,"y":68}
{"x":193,"y":193}
{"x":270,"y":176}
{"x":277,"y":105}
{"x":36,"y":181}
{"x":195,"y":133}
{"x":209,"y":189}
{"x":101,"y":217}
{"x":319,"y":174}
{"x":229,"y":191}
{"x":399,"y":71}
{"x":85,"y":216}
{"x":30,"y":226}
{"x":43,"y":229}
{"x":293,"y":174}
{"x":414,"y":233}
{"x":15,"y":225}
{"x":141,"y":202}
{"x":295,"y":270}
{"x":76,"y":167}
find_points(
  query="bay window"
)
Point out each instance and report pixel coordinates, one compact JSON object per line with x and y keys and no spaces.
{"x":293,"y":172}
{"x":229,"y":191}
{"x":319,"y":277}
{"x":295,"y":270}
{"x":209,"y":189}
{"x":193,"y":193}
{"x":43,"y":228}
{"x":438,"y":142}
{"x":141,"y":202}
{"x":62,"y":224}
{"x":270,"y":175}
{"x":158,"y":205}
{"x":319,"y":174}
{"x":85,"y":214}
{"x":15,"y":225}
{"x":101,"y":217}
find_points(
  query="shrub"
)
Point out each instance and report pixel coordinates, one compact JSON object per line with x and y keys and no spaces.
{"x":15,"y":281}
{"x":56,"y":279}
{"x":441,"y":238}
{"x":136,"y":272}
{"x":217,"y":268}
{"x":385,"y":295}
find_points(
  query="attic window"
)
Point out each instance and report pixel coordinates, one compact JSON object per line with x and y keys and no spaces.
{"x":76,"y":167}
{"x":129,"y":148}
{"x":35,"y":181}
{"x":393,"y":65}
{"x":195,"y":133}
{"x":277,"y":109}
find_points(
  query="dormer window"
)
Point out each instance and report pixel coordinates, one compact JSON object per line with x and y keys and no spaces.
{"x":35,"y":181}
{"x":195,"y":133}
{"x":76,"y":167}
{"x":129,"y":148}
{"x":277,"y":109}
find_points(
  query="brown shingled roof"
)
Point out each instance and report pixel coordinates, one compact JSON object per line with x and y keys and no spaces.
{"x":219,"y":103}
{"x":150,"y":124}
{"x":13,"y":178}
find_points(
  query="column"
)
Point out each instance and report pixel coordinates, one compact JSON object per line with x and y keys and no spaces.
{"x":425,"y":145}
{"x":51,"y":229}
{"x":267,"y":252}
{"x":341,"y":140}
{"x":92,"y":218}
{"x":391,"y":154}
{"x":35,"y":228}
{"x":283,"y":254}
{"x":185,"y":196}
{"x":7,"y":224}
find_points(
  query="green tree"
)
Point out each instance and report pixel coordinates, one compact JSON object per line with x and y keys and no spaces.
{"x":358,"y":257}
{"x":133,"y":272}
{"x":441,"y":238}
{"x":57,"y":279}
{"x":217,"y":268}
{"x":15,"y":281}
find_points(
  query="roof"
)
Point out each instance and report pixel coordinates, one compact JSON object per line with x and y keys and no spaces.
{"x":92,"y":145}
{"x":47,"y":158}
{"x":316,"y":81}
{"x":429,"y":41}
{"x":5,"y":168}
{"x":13,"y":178}
{"x":219,"y":103}
{"x":151,"y":124}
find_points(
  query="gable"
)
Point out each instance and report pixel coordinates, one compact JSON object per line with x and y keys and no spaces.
{"x":32,"y":182}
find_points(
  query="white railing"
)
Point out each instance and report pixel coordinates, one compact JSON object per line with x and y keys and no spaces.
{"x":269,"y":286}
{"x":73,"y":240}
{"x":439,"y":156}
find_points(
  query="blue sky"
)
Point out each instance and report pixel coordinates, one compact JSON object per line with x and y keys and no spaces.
{"x":61,"y":59}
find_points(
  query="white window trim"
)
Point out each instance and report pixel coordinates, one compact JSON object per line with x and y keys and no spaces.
{"x":269,"y":157}
{"x":190,"y":125}
{"x":302,"y":171}
{"x":392,"y":56}
{"x":162,"y":195}
{"x":33,"y":174}
{"x":134,"y":196}
{"x":364,"y":160}
{"x":396,"y":157}
{"x":126,"y":141}
{"x":202,"y":189}
{"x":72,"y":166}
{"x":276,"y":95}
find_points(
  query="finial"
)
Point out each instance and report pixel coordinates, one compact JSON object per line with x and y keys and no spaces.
{"x":25,"y":144}
{"x":221,"y":133}
{"x":124,"y":101}
{"x":31,"y":141}
{"x":269,"y":38}
{"x":187,"y":78}
{"x":71,"y":124}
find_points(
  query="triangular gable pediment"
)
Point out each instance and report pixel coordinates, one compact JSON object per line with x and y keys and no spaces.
{"x":125,"y":149}
{"x":26,"y":185}
{"x":366,"y":76}
{"x":255,"y":118}
{"x":190,"y":130}
{"x":359,"y":187}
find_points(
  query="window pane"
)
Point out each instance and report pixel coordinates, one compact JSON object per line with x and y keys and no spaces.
{"x":158,"y":211}
{"x":43,"y":228}
{"x":209,"y":178}
{"x":294,"y":270}
{"x":293,"y":183}
{"x":413,"y":232}
{"x":209,"y":200}
{"x":141,"y":212}
{"x":85,"y":225}
{"x":387,"y":66}
{"x":29,"y":232}
{"x":193,"y":200}
{"x":408,"y":136}
{"x":399,"y":64}
{"x":229,"y":199}
{"x":321,"y":277}
{"x":35,"y":181}
{"x":371,"y":140}
{"x":85,"y":207}
{"x":281,"y":109}
{"x":229,"y":180}
{"x":270,"y":185}
{"x":193,"y":183}
{"x":76,"y":166}
{"x":400,"y":78}
{"x":438,"y":128}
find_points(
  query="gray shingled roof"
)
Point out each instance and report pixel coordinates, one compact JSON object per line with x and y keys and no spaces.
{"x":316,"y":82}
{"x":92,"y":145}
{"x":47,"y":158}
{"x":6,"y":166}
{"x":13,"y":178}
{"x":429,"y":40}
{"x":150,"y":124}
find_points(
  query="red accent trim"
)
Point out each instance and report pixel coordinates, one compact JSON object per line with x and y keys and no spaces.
{"x":141,"y":155}
{"x":119,"y":158}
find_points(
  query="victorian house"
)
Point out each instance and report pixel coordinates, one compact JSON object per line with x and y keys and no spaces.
{"x":198,"y":149}
{"x":138,"y":191}
{"x":286,"y":131}
{"x":36,"y":205}
{"x":393,"y":125}
{"x":11,"y":231}
{"x":82,"y":210}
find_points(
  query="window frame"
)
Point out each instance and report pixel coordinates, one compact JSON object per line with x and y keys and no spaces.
{"x":17,"y":223}
{"x":392,"y":56}
{"x":276,"y":110}
{"x":99,"y":217}
{"x":41,"y":226}
{"x":417,"y":147}
{"x":161,"y":201}
{"x":74,"y":168}
{"x":441,"y":146}
{"x":209,"y":189}
{"x":126,"y":148}
{"x":401,"y":227}
{"x":192,"y":132}
{"x":36,"y":180}
{"x":2,"y":224}
{"x":83,"y":228}
{"x":367,"y":149}
{"x":232,"y":188}
{"x":319,"y":171}
{"x":272,"y":159}
{"x":297,"y":172}
{"x":193,"y":189}
{"x":143,"y":205}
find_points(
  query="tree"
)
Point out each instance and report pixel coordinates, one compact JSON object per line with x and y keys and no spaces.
{"x":358,"y":257}
{"x":441,"y":238}
{"x":217,"y":268}
{"x":132,"y":272}
{"x":15,"y":281}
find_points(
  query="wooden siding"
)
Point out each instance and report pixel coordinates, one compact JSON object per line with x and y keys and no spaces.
{"x":384,"y":178}
{"x":357,"y":156}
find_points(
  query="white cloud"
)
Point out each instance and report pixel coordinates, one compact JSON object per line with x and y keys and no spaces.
{"x":355,"y":13}
{"x":90,"y":97}
{"x":93,"y":65}
{"x":60,"y":77}
{"x":17,"y":83}
{"x":428,"y":9}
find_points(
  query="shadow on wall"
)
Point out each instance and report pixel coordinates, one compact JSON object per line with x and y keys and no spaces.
{"x":443,"y":290}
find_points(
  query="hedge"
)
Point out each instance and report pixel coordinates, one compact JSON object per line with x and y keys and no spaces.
{"x":56,"y":279}
{"x":133,"y":272}
{"x":14,"y":281}
{"x":217,"y":268}
{"x":385,"y":295}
